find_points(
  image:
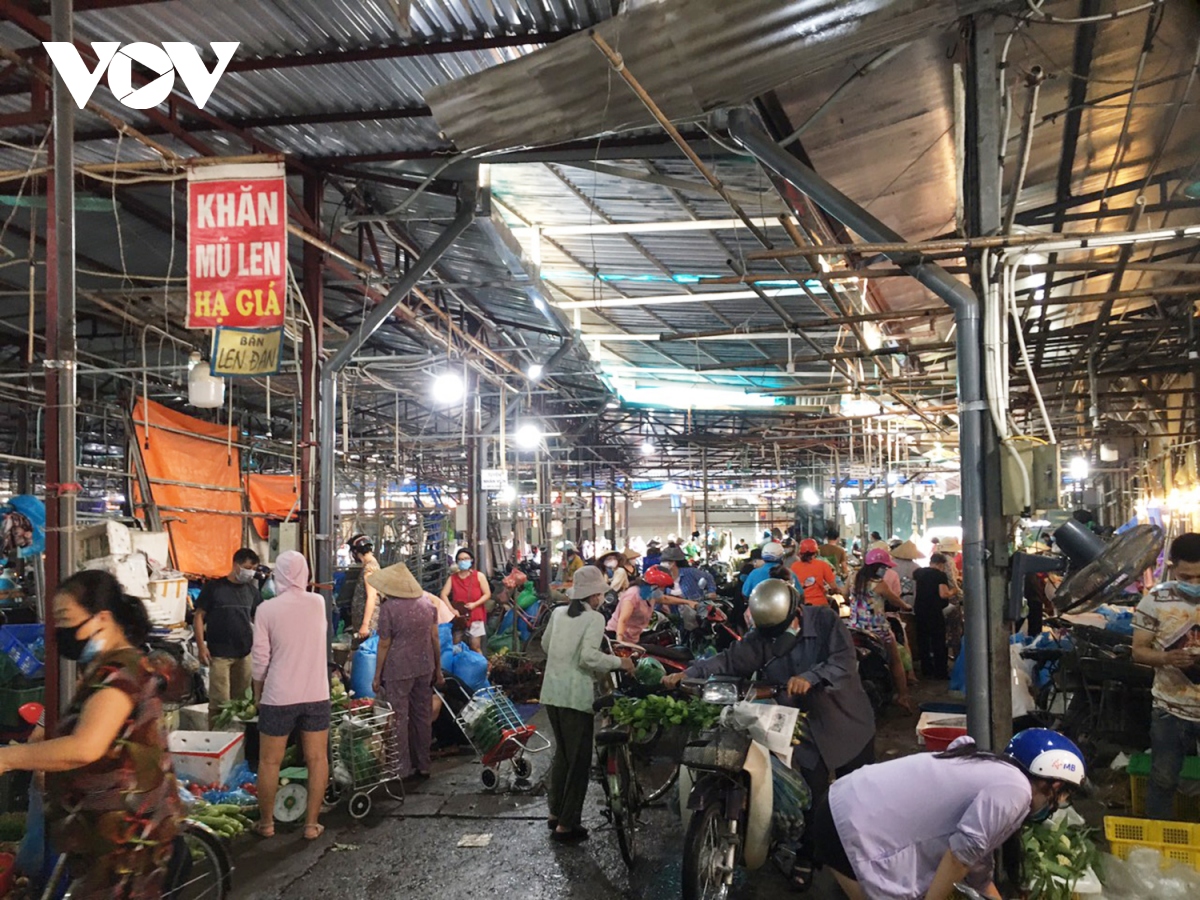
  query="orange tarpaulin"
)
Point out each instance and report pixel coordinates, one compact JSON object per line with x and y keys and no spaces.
{"x":185,"y":449}
{"x":274,"y":495}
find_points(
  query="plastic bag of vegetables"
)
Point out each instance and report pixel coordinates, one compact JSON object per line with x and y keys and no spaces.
{"x":649,"y":671}
{"x":791,"y":797}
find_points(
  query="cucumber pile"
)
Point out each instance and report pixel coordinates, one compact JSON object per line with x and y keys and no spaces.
{"x":242,"y":709}
{"x":225,"y":819}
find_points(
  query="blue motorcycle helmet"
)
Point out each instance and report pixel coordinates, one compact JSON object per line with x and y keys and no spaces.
{"x":1048,"y":755}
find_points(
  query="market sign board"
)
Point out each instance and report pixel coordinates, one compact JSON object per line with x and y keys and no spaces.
{"x":246,"y":351}
{"x":493,"y":479}
{"x":237,"y":246}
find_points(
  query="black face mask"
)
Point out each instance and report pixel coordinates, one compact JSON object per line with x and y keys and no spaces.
{"x":70,"y":645}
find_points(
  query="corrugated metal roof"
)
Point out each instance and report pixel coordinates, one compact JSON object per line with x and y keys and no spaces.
{"x":692,"y":56}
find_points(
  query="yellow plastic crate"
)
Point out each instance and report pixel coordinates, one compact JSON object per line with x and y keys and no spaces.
{"x":1187,"y":806}
{"x":1176,"y":841}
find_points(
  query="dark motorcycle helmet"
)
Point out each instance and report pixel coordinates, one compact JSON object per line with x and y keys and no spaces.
{"x":773,"y":605}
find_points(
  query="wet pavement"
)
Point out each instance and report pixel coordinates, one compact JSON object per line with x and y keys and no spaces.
{"x":410,"y":849}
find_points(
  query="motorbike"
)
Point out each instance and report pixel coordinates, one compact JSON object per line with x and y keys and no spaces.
{"x":728,"y":780}
{"x":874,"y":668}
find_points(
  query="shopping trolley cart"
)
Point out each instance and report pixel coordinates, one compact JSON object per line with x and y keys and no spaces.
{"x":497,"y":734}
{"x":365,"y":757}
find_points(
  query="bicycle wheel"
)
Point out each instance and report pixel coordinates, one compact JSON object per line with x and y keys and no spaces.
{"x":656,"y":762}
{"x":623,"y":802}
{"x":205,"y":872}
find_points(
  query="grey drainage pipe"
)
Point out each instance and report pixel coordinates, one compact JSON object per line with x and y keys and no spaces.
{"x":745,"y":130}
{"x":327,"y":423}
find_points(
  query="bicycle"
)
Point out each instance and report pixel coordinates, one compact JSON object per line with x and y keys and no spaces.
{"x":200,"y":868}
{"x":622,"y":793}
{"x":656,"y":756}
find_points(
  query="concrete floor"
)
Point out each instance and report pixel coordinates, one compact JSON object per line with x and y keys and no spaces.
{"x":411,"y":849}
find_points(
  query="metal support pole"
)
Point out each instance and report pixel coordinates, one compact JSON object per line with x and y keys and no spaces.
{"x":988,"y":664}
{"x":328,"y":398}
{"x":477,"y":455}
{"x":543,"y":520}
{"x":612,"y":508}
{"x":972,"y":409}
{"x":60,"y":366}
{"x":311,"y":346}
{"x":704,"y":475}
{"x":472,"y":478}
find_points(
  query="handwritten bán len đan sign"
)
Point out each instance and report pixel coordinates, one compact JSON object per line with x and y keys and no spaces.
{"x":237,"y":246}
{"x":246,"y":351}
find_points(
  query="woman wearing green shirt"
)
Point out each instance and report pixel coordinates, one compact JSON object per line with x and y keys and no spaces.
{"x":572,"y":643}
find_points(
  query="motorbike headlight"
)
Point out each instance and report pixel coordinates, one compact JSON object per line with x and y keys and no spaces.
{"x":720,"y":693}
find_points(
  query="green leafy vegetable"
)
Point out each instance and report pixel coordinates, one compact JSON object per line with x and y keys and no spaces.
{"x":1056,"y":857}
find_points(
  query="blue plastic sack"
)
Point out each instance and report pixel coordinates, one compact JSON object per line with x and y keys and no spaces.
{"x":471,"y":669}
{"x":362,"y":671}
{"x":446,"y":635}
{"x":958,"y":676}
{"x":448,"y":657}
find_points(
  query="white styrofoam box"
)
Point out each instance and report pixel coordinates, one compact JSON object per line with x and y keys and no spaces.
{"x":129,"y":570}
{"x":107,"y":538}
{"x":168,"y":600}
{"x":194,"y":718}
{"x":156,"y":545}
{"x":206,"y":756}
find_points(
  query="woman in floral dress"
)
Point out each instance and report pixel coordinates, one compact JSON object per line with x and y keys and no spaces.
{"x":112,"y":803}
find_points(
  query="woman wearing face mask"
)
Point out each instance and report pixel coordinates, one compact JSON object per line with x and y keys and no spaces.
{"x":635,"y":607}
{"x":618,"y":569}
{"x":112,"y":804}
{"x":957,"y":809}
{"x":868,"y":613}
{"x":364,"y":607}
{"x":468,"y":591}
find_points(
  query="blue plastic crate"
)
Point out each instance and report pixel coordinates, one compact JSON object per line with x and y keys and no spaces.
{"x":14,"y":643}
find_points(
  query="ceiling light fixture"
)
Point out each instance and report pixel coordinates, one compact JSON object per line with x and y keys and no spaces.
{"x":528,"y":436}
{"x":448,"y":388}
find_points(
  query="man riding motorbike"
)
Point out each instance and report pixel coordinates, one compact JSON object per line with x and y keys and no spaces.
{"x":808,"y":649}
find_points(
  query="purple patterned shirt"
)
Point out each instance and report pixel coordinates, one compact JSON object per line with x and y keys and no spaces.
{"x":409,"y":624}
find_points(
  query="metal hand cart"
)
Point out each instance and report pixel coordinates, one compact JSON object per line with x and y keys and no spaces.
{"x":364,"y":757}
{"x":497,"y":734}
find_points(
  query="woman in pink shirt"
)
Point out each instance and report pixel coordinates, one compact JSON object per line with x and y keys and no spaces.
{"x":291,"y":688}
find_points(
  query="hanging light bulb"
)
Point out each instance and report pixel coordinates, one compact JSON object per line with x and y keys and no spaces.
{"x":448,"y":388}
{"x":528,"y":436}
{"x":648,"y":448}
{"x":1080,"y":468}
{"x":810,"y":497}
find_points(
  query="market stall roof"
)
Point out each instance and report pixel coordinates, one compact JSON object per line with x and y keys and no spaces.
{"x":637,"y":254}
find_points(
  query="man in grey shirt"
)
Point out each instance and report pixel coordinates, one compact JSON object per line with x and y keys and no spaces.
{"x":808,"y":649}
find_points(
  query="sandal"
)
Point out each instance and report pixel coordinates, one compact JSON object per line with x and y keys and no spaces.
{"x":264,"y":829}
{"x":552,"y":823}
{"x":802,"y":874}
{"x":312,"y":832}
